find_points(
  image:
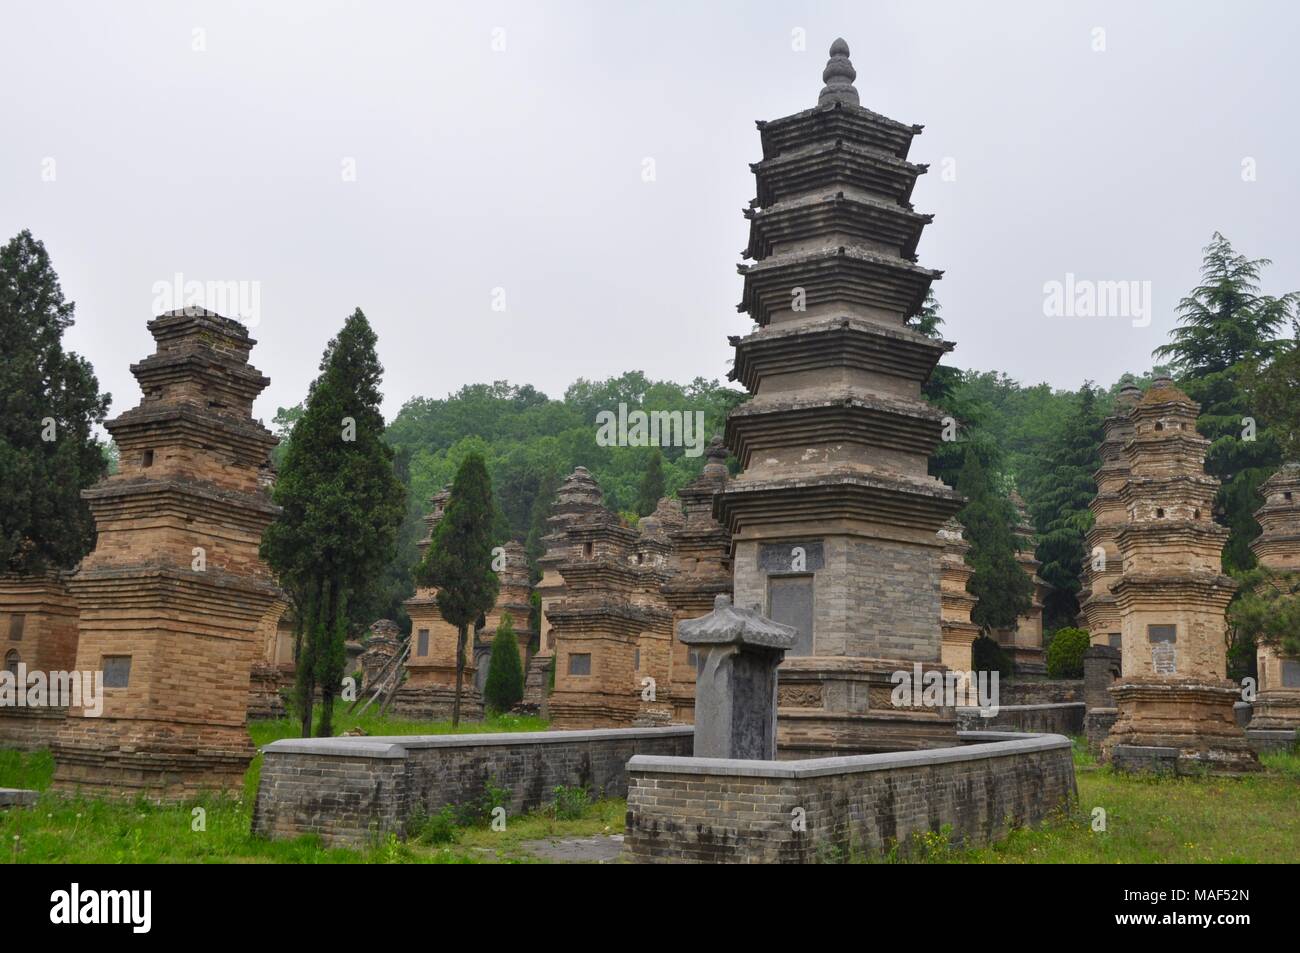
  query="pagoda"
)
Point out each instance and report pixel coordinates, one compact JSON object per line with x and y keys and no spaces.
{"x":1276,"y":717}
{"x":834,"y":519}
{"x":1024,"y":643}
{"x":173,"y":595}
{"x":652,"y":661}
{"x":1101,"y":562}
{"x":429,"y":691}
{"x":1174,"y":698}
{"x":701,"y":571}
{"x":959,"y":633}
{"x":514,"y":596}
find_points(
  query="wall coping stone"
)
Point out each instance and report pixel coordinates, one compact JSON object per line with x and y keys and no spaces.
{"x":987,"y":744}
{"x":397,"y":746}
{"x":1043,"y":707}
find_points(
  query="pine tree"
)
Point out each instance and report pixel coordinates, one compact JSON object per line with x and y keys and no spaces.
{"x":1003,"y":589}
{"x":341,"y":506}
{"x":1061,"y":514}
{"x":652,"y":486}
{"x":1226,"y":327}
{"x":49,"y":401}
{"x":504,"y":687}
{"x":459,"y":559}
{"x":1273,"y":388}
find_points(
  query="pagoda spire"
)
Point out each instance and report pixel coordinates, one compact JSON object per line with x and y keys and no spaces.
{"x":838,"y":77}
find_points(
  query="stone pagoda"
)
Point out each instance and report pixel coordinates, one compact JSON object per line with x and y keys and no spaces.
{"x":513,"y":597}
{"x":173,"y":594}
{"x":1024,"y":643}
{"x":1174,"y":698}
{"x":1101,"y":566}
{"x":579,"y":494}
{"x":599,"y":623}
{"x":652,"y":661}
{"x":834,"y":519}
{"x":38,"y":626}
{"x":959,"y":633}
{"x":429,"y":691}
{"x":1276,"y":716}
{"x":701,"y":571}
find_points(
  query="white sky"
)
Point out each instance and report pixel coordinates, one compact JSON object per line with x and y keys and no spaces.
{"x":522,"y":169}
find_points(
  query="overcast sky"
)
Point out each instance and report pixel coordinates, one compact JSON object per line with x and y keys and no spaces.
{"x":227,"y":154}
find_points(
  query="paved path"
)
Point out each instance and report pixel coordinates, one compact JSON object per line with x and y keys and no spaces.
{"x":600,"y":849}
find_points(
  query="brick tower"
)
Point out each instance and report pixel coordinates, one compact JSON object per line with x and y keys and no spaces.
{"x":173,"y":594}
{"x":1174,"y":698}
{"x":834,"y":519}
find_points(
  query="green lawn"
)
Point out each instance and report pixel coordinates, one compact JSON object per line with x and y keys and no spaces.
{"x":1148,"y":820}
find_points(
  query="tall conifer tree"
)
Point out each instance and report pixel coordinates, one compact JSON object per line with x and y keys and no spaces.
{"x":1002,"y":587}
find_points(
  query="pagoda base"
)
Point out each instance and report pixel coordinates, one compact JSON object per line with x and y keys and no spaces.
{"x":1177,"y":726}
{"x":435,"y":703}
{"x":31,"y":729}
{"x":123,"y":759}
{"x":266,"y":686}
{"x":829,"y":706}
{"x":1026,"y":660}
{"x":537,"y":680}
{"x":582,"y":710}
{"x":1275,"y":722}
{"x":1096,"y":727}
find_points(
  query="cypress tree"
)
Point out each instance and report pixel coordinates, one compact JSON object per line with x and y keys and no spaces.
{"x":342,"y":504}
{"x":1061,"y":512}
{"x":49,"y":401}
{"x":1225,"y":328}
{"x":459,"y":559}
{"x":652,"y":486}
{"x":1002,"y":587}
{"x":505,"y":682}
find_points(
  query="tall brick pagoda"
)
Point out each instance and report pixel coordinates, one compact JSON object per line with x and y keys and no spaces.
{"x":834,"y":518}
{"x":701,"y":571}
{"x":1174,"y":698}
{"x":513,"y":597}
{"x":1276,"y":717}
{"x":1102,"y":567}
{"x":172,"y":597}
{"x":959,"y":633}
{"x":430,"y":688}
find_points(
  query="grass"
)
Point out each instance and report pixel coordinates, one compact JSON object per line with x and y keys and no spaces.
{"x":1147,"y":820}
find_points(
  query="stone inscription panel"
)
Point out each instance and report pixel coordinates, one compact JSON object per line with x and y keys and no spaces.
{"x":1290,"y":673}
{"x":1163,"y":658}
{"x":784,"y":556}
{"x":790,"y":601}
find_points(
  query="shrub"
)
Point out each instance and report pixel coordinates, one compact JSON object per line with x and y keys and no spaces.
{"x":570,"y":803}
{"x":504,"y":687}
{"x":987,"y":656}
{"x":1065,"y":654}
{"x":438,"y":829}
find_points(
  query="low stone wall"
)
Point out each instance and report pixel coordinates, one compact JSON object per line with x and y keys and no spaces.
{"x":348,"y":790}
{"x":1061,"y":719}
{"x":709,"y":810}
{"x":1097,"y":726}
{"x":1040,"y":691}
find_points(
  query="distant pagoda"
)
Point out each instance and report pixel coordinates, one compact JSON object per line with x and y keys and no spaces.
{"x":429,"y":691}
{"x":1174,"y":698}
{"x":1276,"y":716}
{"x":1024,"y":643}
{"x":1101,"y":567}
{"x":834,"y":518}
{"x":513,"y":597}
{"x":174,"y":593}
{"x":959,"y":633}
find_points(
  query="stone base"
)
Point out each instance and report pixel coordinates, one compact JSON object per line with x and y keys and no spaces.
{"x":653,"y":716}
{"x":265,"y":692}
{"x":1271,"y":741}
{"x":435,"y":703}
{"x":1194,"y":718}
{"x":30,"y":729}
{"x":126,"y":759}
{"x":833,"y":705}
{"x":1026,"y":660}
{"x":576,"y":711}
{"x":1096,"y":727}
{"x":1276,"y":710}
{"x":536,"y":680}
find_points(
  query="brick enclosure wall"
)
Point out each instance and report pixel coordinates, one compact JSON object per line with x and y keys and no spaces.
{"x":714,"y":810}
{"x":349,"y":790}
{"x":1047,"y":691}
{"x":1062,"y":719}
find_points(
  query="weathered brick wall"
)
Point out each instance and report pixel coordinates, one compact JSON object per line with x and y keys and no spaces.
{"x":30,"y":729}
{"x":349,"y":790}
{"x":712,"y":810}
{"x":1062,"y":719}
{"x":1047,"y":691}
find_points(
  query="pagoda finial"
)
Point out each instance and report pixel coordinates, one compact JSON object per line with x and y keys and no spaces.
{"x":838,"y":77}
